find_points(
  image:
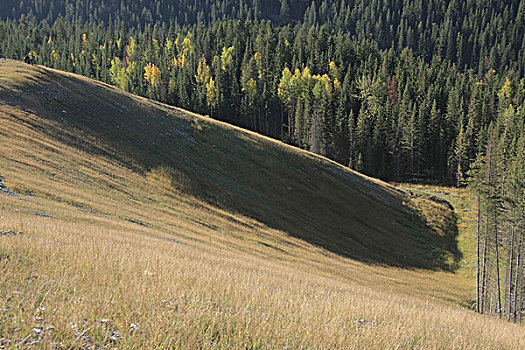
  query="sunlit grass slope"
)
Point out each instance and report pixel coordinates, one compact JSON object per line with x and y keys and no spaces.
{"x":149,"y":227}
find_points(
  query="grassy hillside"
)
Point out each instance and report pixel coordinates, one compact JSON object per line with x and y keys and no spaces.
{"x":146,"y":226}
{"x":281,"y":187}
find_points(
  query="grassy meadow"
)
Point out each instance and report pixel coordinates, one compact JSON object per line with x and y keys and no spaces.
{"x":145,"y":226}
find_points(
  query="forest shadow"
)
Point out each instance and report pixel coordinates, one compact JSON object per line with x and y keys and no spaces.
{"x":440,"y":218}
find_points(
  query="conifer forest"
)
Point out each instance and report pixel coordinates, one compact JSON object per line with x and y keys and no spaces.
{"x":429,"y":91}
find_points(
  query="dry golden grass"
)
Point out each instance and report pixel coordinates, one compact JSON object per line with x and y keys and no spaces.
{"x":130,"y":258}
{"x":67,"y":277}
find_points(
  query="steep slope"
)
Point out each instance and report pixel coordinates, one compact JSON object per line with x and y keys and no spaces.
{"x":303,"y":195}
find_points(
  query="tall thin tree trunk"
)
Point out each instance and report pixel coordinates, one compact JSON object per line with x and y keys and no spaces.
{"x":412,"y":160}
{"x":267,"y":125}
{"x":478,"y":255}
{"x":484,"y":273}
{"x":510,"y":267}
{"x":517,"y":306}
{"x":282,"y":123}
{"x":398,"y":164}
{"x":260,"y":122}
{"x":290,"y":121}
{"x":497,"y":262}
{"x":487,"y":225}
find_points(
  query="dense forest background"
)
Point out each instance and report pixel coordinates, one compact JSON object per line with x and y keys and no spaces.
{"x":425,"y":90}
{"x":398,"y":90}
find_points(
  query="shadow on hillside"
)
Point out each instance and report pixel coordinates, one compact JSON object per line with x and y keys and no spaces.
{"x":305,"y":196}
{"x":443,"y":243}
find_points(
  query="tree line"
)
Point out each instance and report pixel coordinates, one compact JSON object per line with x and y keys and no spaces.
{"x":498,"y":178}
{"x":392,"y":116}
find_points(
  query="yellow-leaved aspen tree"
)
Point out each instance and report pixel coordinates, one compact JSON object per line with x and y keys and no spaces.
{"x":152,"y":76}
{"x":284,"y":91}
{"x":211,"y":95}
{"x":203,"y":71}
{"x":227,"y":58}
